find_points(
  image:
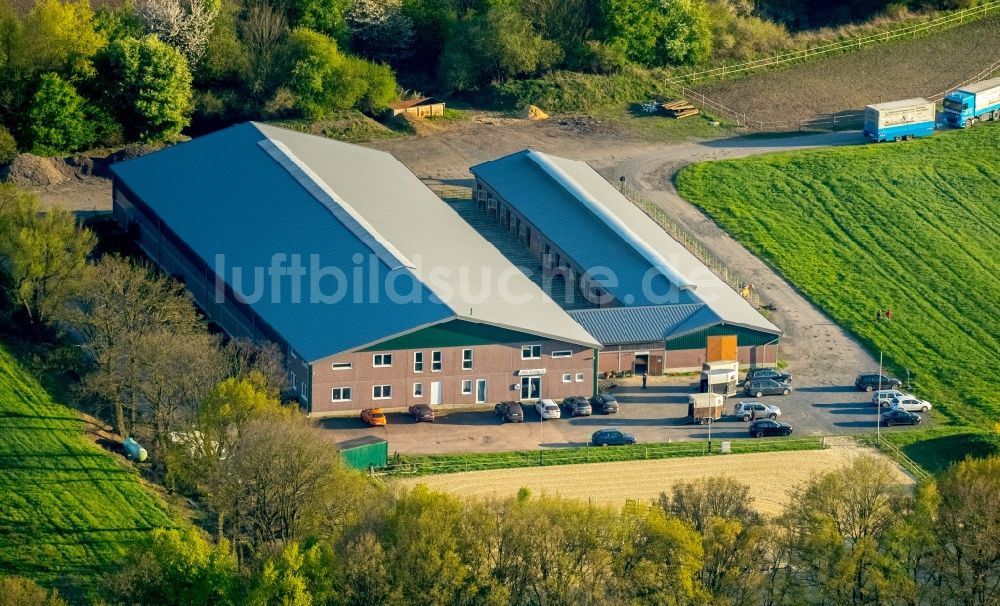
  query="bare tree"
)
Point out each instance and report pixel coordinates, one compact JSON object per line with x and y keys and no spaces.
{"x":121,"y":305}
{"x":245,"y":356}
{"x":184,"y":24}
{"x":263,"y":29}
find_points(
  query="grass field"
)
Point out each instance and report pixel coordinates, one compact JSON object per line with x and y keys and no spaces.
{"x":68,"y":510}
{"x":453,"y":463}
{"x":913,"y":227}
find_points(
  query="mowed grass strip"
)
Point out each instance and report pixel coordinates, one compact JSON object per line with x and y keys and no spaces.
{"x":68,"y":510}
{"x":454,"y":463}
{"x":912,"y":226}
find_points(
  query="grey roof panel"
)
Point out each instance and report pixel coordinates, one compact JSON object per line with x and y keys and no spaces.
{"x":621,"y":325}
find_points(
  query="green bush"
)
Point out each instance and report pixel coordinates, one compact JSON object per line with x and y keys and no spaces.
{"x":57,"y":119}
{"x":8,"y":146}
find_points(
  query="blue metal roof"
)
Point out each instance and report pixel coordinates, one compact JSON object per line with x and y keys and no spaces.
{"x":621,"y":325}
{"x":228,"y":200}
{"x":587,"y":240}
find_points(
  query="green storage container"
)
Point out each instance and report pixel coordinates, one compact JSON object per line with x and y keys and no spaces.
{"x":365,"y":452}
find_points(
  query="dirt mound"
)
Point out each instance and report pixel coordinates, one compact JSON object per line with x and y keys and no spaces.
{"x":28,"y":170}
{"x":130,"y":152}
{"x":533,"y":113}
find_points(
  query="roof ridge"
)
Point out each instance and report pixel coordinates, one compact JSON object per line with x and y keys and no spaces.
{"x":340,"y":209}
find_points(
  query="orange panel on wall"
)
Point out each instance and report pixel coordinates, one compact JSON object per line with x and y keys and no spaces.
{"x":721,"y":347}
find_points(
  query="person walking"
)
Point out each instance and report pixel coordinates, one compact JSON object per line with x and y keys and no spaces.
{"x":878,"y":315}
{"x":753,"y":415}
{"x":644,"y":379}
{"x":888,"y":315}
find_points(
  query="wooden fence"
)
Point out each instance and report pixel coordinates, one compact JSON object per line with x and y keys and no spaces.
{"x":913,"y":30}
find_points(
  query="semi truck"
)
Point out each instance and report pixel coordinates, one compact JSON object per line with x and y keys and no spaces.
{"x":980,"y":101}
{"x":899,"y":120}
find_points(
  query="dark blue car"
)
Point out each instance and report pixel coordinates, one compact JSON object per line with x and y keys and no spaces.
{"x":611,"y":437}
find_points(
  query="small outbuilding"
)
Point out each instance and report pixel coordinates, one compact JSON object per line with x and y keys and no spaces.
{"x":365,"y":452}
{"x":422,"y":107}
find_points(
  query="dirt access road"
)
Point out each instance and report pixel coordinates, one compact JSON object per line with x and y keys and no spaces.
{"x":772,"y":476}
{"x":816,"y":349}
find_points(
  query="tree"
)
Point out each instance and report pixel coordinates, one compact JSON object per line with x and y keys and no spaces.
{"x":323,"y":79}
{"x":264,"y":32}
{"x":660,"y":32}
{"x":19,"y":591}
{"x":569,"y":23}
{"x":246,"y":356}
{"x":185,"y":26}
{"x":699,"y":501}
{"x":282,"y":482}
{"x":496,"y":44}
{"x":687,"y":35}
{"x":58,"y":37}
{"x":43,"y":255}
{"x":121,"y":308}
{"x":842,"y":523}
{"x":323,"y":16}
{"x":380,"y":29}
{"x":180,"y":568}
{"x":148,"y":87}
{"x":57,"y":119}
{"x":367,"y":578}
{"x":968,"y":532}
{"x":298,"y":576}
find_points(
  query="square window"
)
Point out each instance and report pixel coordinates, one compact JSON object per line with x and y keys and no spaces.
{"x":340,"y":394}
{"x":435,"y":361}
{"x":381,"y":392}
{"x":567,"y":378}
{"x":466,"y":359}
{"x":579,"y":377}
{"x":466,"y":386}
{"x":382,"y":360}
{"x":563,"y":353}
{"x":531,"y":352}
{"x":418,"y":361}
{"x":341,"y":366}
{"x":418,"y":390}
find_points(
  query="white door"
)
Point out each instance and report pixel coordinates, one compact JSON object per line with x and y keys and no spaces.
{"x":435,"y":392}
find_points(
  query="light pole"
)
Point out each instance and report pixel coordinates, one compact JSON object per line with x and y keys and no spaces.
{"x":878,"y":402}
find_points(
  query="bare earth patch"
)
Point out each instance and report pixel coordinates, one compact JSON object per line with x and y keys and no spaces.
{"x":771,"y":476}
{"x":920,"y":67}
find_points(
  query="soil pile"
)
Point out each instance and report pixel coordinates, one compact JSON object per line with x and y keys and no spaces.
{"x":29,"y":170}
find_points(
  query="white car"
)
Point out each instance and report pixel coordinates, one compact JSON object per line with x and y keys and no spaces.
{"x":744,"y":410}
{"x":885,"y":397}
{"x":911,"y":404}
{"x":547,"y":409}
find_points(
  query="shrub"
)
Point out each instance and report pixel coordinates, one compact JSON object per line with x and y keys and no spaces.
{"x":8,"y":146}
{"x":57,"y":119}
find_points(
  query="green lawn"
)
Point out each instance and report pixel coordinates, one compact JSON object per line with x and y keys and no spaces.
{"x":913,"y":227}
{"x":68,"y":510}
{"x":453,"y":463}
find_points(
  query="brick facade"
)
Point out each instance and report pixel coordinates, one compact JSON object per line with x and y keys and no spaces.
{"x":496,"y":364}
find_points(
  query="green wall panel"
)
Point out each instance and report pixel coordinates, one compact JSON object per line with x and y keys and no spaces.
{"x":456,"y":333}
{"x":745,"y":337}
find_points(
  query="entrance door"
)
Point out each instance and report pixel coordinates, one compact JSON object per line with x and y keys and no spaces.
{"x":656,"y":364}
{"x":480,"y":391}
{"x":435,"y":392}
{"x":531,"y":388}
{"x":641,"y":364}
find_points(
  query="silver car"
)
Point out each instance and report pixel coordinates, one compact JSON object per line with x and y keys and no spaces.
{"x":911,"y":404}
{"x":746,"y":410}
{"x":884,"y":397}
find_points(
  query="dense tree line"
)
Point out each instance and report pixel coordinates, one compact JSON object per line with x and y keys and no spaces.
{"x":73,"y":78}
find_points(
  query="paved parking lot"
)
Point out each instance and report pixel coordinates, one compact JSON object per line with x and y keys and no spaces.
{"x":657,"y":414}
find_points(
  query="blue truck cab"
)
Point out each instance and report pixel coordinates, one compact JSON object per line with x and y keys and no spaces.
{"x":899,"y":120}
{"x":979,"y":101}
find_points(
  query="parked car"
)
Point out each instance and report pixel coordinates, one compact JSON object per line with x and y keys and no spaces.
{"x":611,"y":437}
{"x":898,"y":416}
{"x":547,"y":409}
{"x":422,"y":412}
{"x":604,"y":402}
{"x":870,"y":381}
{"x":578,"y":406}
{"x":884,"y":397}
{"x":910,"y":404}
{"x":509,"y":412}
{"x":768,"y":427}
{"x":745,"y":410}
{"x":373,"y":416}
{"x":766,"y":373}
{"x":767,"y":387}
